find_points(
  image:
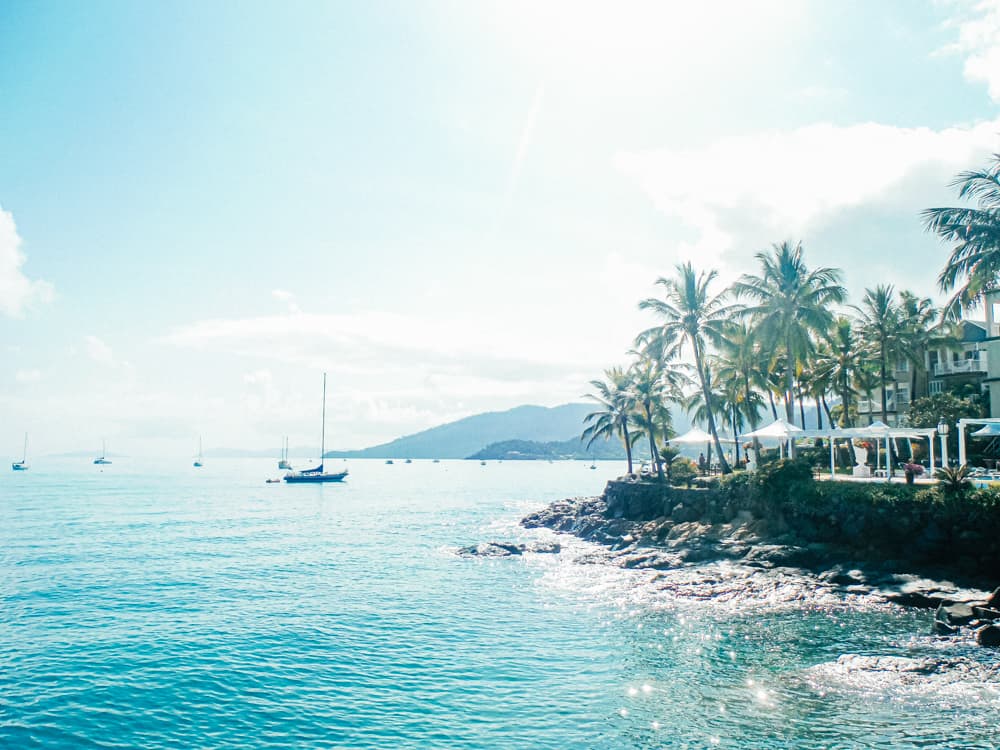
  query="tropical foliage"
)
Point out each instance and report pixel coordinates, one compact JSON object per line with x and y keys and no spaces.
{"x":783,"y":339}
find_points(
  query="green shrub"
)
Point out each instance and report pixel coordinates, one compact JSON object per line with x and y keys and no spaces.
{"x":683,"y":472}
{"x":779,"y":478}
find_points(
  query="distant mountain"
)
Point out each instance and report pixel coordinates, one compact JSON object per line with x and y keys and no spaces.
{"x":467,"y":436}
{"x":531,"y":450}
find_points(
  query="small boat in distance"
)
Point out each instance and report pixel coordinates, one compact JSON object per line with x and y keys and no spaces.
{"x":388,"y":462}
{"x":22,"y":465}
{"x":197,"y":461}
{"x":317,"y":474}
{"x":283,"y":463}
{"x":408,"y":461}
{"x":103,"y":457}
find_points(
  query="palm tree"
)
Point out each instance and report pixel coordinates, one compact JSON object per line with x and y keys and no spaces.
{"x":879,"y":327}
{"x":838,"y":360}
{"x":614,"y":396}
{"x":648,"y":390}
{"x":865,"y":381}
{"x":975,"y":234}
{"x":690,"y":314}
{"x":790,"y":303}
{"x":741,"y":361}
{"x":917,"y":332}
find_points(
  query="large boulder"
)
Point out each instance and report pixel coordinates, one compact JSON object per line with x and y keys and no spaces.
{"x":492,"y":549}
{"x":989,"y":636}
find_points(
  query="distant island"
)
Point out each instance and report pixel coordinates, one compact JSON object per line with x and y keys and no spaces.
{"x":532,"y":450}
{"x":542,"y":433}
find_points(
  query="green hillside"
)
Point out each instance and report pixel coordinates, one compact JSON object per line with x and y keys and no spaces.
{"x":467,"y":436}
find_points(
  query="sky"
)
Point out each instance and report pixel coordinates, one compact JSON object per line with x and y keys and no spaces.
{"x":449,"y":207}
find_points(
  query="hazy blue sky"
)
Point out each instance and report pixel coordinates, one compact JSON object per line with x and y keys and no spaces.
{"x":450,"y":206}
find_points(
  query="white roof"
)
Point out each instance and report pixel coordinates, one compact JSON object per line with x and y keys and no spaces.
{"x":694,"y":435}
{"x":779,"y":428}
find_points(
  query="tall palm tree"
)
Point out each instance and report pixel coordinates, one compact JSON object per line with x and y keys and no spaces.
{"x":742,"y":361}
{"x":690,"y":313}
{"x":866,"y":380}
{"x":789,"y":304}
{"x":918,"y":331}
{"x":838,"y":360}
{"x":648,"y":390}
{"x":975,"y":235}
{"x":617,"y":404}
{"x":879,"y":328}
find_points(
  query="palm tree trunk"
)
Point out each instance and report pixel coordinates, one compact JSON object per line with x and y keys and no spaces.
{"x":706,"y":391}
{"x":736,"y":445}
{"x":826,"y":408}
{"x":628,"y":447}
{"x":654,"y":456}
{"x":789,"y":385}
{"x":774,"y":409}
{"x":802,"y":407}
{"x":883,"y":366}
{"x":819,"y":415}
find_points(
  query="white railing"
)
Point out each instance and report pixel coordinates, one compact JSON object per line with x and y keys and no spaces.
{"x":866,"y":406}
{"x":959,"y":366}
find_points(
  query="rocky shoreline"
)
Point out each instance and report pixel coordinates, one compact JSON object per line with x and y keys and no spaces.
{"x":677,"y":539}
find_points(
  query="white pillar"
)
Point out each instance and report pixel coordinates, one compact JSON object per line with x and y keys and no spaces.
{"x":961,"y":444}
{"x":930,"y":443}
{"x":888,"y":460}
{"x":833,"y":466}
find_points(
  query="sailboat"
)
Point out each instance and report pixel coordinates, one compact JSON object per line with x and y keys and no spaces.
{"x":283,"y":463}
{"x":22,"y":465}
{"x":104,"y":452}
{"x":317,"y":474}
{"x":197,"y":461}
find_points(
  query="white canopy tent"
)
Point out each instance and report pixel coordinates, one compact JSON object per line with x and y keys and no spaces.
{"x":779,"y":430}
{"x":694,"y":435}
{"x":990,"y":423}
{"x":875,"y":430}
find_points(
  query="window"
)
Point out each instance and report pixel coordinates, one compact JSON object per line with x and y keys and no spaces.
{"x":903,"y":395}
{"x":903,"y":365}
{"x":935,"y":387}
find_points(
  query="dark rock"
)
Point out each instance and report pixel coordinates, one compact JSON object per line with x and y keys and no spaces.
{"x":682,"y":513}
{"x":544,"y":548}
{"x":840,"y":577}
{"x":985,"y":613}
{"x":492,"y":549}
{"x":954,"y":614}
{"x":650,"y":560}
{"x":994,"y":601}
{"x":700,"y":553}
{"x":988,"y":636}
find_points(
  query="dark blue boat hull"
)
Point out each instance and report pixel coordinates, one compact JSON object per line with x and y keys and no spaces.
{"x":305,"y":478}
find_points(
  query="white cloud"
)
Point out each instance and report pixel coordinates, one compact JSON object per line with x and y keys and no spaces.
{"x":783,"y":184}
{"x":259,"y":377}
{"x":17,"y":291}
{"x":98,"y":351}
{"x":978,"y":25}
{"x":286,"y":297}
{"x":28,"y":376}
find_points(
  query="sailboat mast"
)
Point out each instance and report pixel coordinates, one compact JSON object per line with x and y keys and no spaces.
{"x":322,"y":439}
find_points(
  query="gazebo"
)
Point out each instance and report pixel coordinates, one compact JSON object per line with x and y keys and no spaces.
{"x":779,"y":430}
{"x":878,"y":430}
{"x":990,"y":428}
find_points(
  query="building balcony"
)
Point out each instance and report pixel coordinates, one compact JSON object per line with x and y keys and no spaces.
{"x":962,"y":366}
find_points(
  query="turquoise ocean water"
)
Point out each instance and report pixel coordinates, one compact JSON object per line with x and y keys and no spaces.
{"x":154,"y":605}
